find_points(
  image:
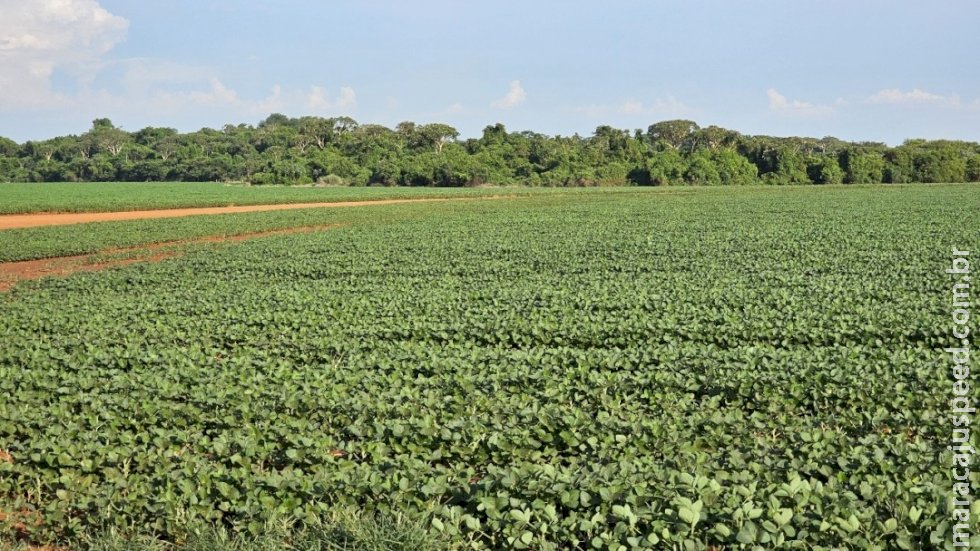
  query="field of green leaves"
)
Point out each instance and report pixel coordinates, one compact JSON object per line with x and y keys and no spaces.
{"x":725,"y":368}
{"x":54,"y":241}
{"x":113,"y":196}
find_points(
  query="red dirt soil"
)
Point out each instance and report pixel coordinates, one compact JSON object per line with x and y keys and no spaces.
{"x":17,"y":221}
{"x":12,"y":272}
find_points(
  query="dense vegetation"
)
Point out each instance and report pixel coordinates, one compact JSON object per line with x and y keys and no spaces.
{"x":283,"y":150}
{"x":737,"y":368}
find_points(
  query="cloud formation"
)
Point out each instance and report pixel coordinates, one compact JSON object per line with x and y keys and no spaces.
{"x":514,"y":97}
{"x":781,"y":104}
{"x":894,"y":96}
{"x":39,"y":36}
{"x":218,"y":95}
{"x":660,"y":108}
{"x":319,"y":100}
{"x":73,"y":37}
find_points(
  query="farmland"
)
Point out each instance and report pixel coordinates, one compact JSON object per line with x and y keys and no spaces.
{"x":736,"y":368}
{"x":122,"y":196}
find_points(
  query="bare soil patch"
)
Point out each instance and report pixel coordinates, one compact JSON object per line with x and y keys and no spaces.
{"x":12,"y":272}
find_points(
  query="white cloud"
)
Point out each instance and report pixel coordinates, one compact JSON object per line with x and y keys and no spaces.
{"x":780,"y":104}
{"x":894,"y":96}
{"x":39,"y":36}
{"x":319,"y":100}
{"x":514,"y":97}
{"x":71,"y":28}
{"x":455,"y":109}
{"x":347,"y":98}
{"x":316,"y":101}
{"x":72,"y":37}
{"x":143,"y":75}
{"x":660,"y":108}
{"x":632,"y":107}
{"x":271,"y":104}
{"x":209,"y":99}
{"x":219,"y":95}
{"x":295,"y":101}
{"x":593,"y":111}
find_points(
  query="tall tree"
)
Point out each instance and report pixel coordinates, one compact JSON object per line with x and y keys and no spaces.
{"x":674,"y":133}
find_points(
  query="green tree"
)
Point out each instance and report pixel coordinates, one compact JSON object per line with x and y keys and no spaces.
{"x":941,"y":162}
{"x":973,"y":168}
{"x":8,"y":147}
{"x":714,"y":137}
{"x":436,"y":135}
{"x":734,"y":169}
{"x":899,"y":168}
{"x":788,"y":165}
{"x":674,"y":133}
{"x":701,"y":170}
{"x":612,"y":174}
{"x":862,"y":165}
{"x":825,"y":170}
{"x":665,"y":168}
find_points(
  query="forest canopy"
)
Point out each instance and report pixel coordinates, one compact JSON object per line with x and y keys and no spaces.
{"x":340,"y":151}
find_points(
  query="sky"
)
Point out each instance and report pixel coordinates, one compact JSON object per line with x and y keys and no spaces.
{"x":861,"y":70}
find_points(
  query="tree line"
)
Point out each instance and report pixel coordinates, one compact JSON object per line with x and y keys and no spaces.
{"x":340,"y":151}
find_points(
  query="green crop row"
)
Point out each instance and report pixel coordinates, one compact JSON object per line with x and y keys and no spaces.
{"x":75,"y":239}
{"x":55,"y":241}
{"x":732,"y":368}
{"x":123,"y":196}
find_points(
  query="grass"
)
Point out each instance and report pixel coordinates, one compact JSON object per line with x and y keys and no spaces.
{"x":343,"y":529}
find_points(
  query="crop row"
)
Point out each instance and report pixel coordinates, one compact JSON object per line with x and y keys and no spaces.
{"x":115,"y":196}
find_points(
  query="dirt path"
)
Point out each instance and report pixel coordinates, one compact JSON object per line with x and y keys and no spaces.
{"x":12,"y":272}
{"x":13,"y":221}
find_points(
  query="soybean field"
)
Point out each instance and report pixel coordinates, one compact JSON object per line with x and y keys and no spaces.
{"x":737,"y":368}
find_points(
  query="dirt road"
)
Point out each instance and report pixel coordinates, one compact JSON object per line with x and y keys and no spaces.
{"x":12,"y":272}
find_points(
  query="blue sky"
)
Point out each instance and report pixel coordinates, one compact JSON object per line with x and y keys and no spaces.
{"x":858,"y":70}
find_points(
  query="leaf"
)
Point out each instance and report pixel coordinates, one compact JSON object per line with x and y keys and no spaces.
{"x":747,"y":534}
{"x":688,"y":515}
{"x":914,"y":513}
{"x":783,"y":516}
{"x":851,"y":524}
